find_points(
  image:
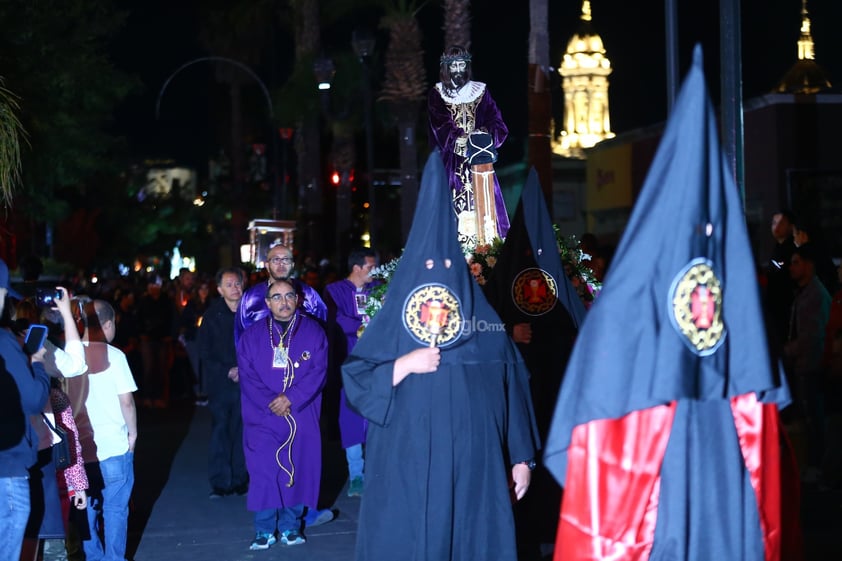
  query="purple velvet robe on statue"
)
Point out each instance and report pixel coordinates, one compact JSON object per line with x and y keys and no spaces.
{"x":264,"y":433}
{"x":253,"y":305}
{"x":474,"y":108}
{"x":341,"y":300}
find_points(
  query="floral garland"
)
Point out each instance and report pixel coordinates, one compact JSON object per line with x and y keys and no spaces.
{"x":377,"y":295}
{"x":483,"y":258}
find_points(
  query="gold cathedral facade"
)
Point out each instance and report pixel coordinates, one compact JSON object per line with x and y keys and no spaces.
{"x":584,"y":70}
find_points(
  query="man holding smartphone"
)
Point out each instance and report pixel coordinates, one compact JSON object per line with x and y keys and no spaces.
{"x":24,"y":388}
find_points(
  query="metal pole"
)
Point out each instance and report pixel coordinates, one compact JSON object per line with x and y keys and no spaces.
{"x":277,"y":210}
{"x":671,"y":17}
{"x":369,"y":152}
{"x":731,"y":90}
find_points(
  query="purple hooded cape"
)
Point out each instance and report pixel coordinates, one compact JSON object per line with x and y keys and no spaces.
{"x":253,"y":305}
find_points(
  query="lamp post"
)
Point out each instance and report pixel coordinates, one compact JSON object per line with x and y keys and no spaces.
{"x":276,"y":210}
{"x":363,"y":42}
{"x":286,"y":136}
{"x":342,"y":158}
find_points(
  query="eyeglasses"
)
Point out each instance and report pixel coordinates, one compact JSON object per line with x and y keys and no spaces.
{"x":278,"y":260}
{"x":277,"y":297}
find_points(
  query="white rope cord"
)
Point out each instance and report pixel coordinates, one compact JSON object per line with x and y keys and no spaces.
{"x":289,"y":376}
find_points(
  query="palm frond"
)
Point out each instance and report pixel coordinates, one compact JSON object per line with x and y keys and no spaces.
{"x":11,"y":133}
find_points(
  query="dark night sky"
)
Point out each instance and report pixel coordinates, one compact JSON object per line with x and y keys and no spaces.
{"x":162,"y":35}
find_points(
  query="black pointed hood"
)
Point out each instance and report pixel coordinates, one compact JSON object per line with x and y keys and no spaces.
{"x":432,"y":277}
{"x":679,"y":316}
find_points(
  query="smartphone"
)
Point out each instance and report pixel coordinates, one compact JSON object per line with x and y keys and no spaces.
{"x":34,"y":340}
{"x":45,"y":298}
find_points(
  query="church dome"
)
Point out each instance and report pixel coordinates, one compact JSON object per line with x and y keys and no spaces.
{"x":585,"y":49}
{"x":805,"y":76}
{"x":584,"y":70}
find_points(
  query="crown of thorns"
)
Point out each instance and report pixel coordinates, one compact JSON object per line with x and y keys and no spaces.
{"x":447,"y":59}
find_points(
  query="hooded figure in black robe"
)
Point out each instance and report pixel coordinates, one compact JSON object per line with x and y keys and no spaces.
{"x":529,"y":287}
{"x":666,"y":436}
{"x":444,"y":442}
{"x":530,"y":290}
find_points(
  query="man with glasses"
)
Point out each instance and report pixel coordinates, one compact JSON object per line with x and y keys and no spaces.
{"x":282,"y":366}
{"x":279,"y":265}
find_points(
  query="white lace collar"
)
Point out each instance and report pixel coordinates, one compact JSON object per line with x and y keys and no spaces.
{"x":468,"y":93}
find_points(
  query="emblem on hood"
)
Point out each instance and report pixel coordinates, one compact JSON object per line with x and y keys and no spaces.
{"x":432,"y":315}
{"x":696,"y":301}
{"x":534,"y":292}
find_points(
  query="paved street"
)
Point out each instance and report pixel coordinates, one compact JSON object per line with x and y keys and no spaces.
{"x":172,"y":518}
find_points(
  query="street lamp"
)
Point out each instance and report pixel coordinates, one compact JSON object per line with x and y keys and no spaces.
{"x":277,"y":211}
{"x":341,"y":155}
{"x":324,"y":70}
{"x":363,"y":42}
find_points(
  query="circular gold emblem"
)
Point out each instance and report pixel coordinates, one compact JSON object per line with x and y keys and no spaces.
{"x":696,"y":299}
{"x":432,"y":315}
{"x":534,"y":291}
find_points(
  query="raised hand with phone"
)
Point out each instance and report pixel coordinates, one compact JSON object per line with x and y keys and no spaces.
{"x":34,"y":339}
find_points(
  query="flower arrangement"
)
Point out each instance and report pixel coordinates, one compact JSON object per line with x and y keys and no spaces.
{"x":482,"y":259}
{"x":575,"y":262}
{"x":383,"y":273}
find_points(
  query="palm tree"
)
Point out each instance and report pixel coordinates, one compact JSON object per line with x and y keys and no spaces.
{"x":11,"y":133}
{"x":457,"y":23}
{"x":540,"y":99}
{"x":307,"y":46}
{"x":404,"y":88}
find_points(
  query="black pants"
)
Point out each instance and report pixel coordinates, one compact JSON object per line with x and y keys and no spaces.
{"x":226,"y":461}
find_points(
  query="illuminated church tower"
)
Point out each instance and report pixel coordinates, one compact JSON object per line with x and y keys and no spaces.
{"x":805,"y":76}
{"x":584,"y":71}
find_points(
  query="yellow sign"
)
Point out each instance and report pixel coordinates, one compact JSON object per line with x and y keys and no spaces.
{"x":609,"y":178}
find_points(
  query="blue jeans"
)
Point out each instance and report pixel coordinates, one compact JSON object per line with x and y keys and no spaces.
{"x":354,"y":455}
{"x":14,"y":512}
{"x":111,"y":482}
{"x":282,"y":519}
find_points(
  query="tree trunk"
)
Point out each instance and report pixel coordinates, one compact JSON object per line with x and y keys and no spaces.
{"x":407,"y":123}
{"x":540,"y":99}
{"x":308,"y":141}
{"x":457,"y":23}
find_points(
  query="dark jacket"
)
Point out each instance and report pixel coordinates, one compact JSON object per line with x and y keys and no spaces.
{"x":23,"y":392}
{"x":217,"y":353}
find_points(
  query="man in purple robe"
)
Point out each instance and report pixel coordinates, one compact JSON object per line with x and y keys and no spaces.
{"x":346,"y":301}
{"x":279,"y":265}
{"x":282,"y":364}
{"x":458,"y":108}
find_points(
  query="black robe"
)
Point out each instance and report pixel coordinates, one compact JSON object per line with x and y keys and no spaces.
{"x":438,"y":454}
{"x":440,"y":446}
{"x":554,"y":313}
